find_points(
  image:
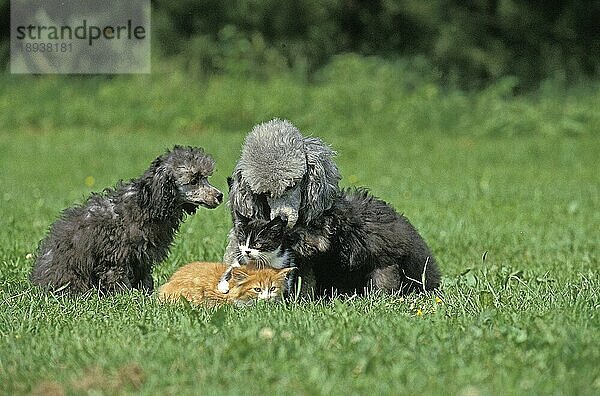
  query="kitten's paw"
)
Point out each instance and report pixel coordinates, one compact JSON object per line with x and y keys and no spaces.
{"x":223,"y":286}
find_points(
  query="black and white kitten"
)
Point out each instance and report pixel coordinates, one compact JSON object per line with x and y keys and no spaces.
{"x":262,"y":244}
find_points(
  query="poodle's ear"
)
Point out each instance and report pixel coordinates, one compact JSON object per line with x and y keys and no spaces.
{"x":322,"y":177}
{"x":158,"y":191}
{"x":241,"y":199}
{"x":229,"y":182}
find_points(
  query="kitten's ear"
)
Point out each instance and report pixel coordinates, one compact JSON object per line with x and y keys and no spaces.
{"x":238,"y":275}
{"x":241,"y":218}
{"x":278,"y":223}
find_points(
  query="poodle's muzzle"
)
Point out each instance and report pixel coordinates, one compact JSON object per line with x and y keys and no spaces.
{"x":202,"y":194}
{"x":287,"y":205}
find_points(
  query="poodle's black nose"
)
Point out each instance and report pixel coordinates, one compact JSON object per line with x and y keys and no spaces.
{"x":219,"y":197}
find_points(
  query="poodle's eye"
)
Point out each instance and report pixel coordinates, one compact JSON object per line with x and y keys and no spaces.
{"x":195,"y":179}
{"x":290,"y":187}
{"x":257,"y":289}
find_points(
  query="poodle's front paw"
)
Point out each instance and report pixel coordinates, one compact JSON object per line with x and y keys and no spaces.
{"x":223,"y":286}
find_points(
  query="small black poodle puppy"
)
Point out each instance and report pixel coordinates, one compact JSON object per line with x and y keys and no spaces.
{"x":111,"y":241}
{"x":369,"y":246}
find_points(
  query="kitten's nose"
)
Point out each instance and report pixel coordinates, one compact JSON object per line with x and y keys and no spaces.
{"x":248,"y":252}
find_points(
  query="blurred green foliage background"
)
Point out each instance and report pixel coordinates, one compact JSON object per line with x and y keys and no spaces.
{"x":467,"y":44}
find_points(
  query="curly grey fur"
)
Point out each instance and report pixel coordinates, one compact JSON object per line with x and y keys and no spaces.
{"x":113,"y":239}
{"x":281,"y":172}
{"x":347,"y":241}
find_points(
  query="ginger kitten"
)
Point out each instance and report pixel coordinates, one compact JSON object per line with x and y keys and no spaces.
{"x":197,"y":283}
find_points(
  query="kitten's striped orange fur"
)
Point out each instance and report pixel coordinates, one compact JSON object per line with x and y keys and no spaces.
{"x":197,"y":283}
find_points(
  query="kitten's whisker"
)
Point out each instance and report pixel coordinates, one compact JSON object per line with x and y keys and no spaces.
{"x":266,"y":260}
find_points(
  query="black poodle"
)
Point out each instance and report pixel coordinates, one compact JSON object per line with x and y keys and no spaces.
{"x":363,"y":244}
{"x":111,"y":241}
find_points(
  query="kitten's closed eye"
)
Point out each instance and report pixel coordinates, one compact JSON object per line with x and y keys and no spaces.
{"x":257,"y":289}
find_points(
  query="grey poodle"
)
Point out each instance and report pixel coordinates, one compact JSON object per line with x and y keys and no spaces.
{"x":343,"y":241}
{"x":113,"y":239}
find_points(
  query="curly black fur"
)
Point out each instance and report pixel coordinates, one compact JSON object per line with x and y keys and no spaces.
{"x":361,"y":243}
{"x":112,"y":240}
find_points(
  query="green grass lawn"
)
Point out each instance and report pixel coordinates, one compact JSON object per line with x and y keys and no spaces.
{"x":517,"y":178}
